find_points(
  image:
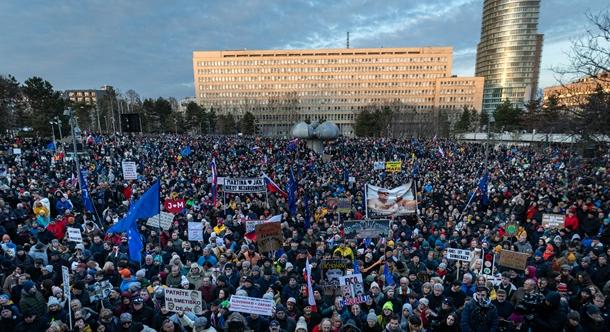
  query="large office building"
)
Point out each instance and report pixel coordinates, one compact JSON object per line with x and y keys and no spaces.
{"x":281,"y":87}
{"x":576,"y":94}
{"x":509,"y":52}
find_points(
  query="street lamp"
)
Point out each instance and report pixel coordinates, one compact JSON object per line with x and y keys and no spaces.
{"x":69,"y":112}
{"x":53,"y":130}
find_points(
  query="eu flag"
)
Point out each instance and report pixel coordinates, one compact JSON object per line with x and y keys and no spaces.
{"x":389,"y":279}
{"x":483,"y":188}
{"x":146,"y":207}
{"x":186,"y":151}
{"x":306,"y":222}
{"x":85,"y":192}
{"x":292,"y":194}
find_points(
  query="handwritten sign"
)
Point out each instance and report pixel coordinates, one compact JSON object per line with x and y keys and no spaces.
{"x":74,"y":235}
{"x":459,"y":254}
{"x":552,"y":220}
{"x":513,"y":259}
{"x":164,"y":220}
{"x":251,"y":305}
{"x":130,"y":171}
{"x":177,"y":299}
{"x":195,"y":231}
{"x":65,"y":275}
{"x":269,"y":236}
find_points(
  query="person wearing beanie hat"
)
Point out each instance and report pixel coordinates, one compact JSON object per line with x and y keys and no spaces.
{"x":32,"y":299}
{"x":301,"y":325}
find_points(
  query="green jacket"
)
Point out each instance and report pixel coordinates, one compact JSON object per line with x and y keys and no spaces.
{"x":33,"y":302}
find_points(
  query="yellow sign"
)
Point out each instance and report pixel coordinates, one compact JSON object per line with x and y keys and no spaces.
{"x":393,"y":166}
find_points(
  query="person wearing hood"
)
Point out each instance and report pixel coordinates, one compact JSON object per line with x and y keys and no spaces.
{"x":350,"y":326}
{"x":551,"y":316}
{"x":479,"y":315}
{"x":32,"y":299}
{"x":386,"y":314}
{"x":286,"y":323}
{"x":592,"y":320}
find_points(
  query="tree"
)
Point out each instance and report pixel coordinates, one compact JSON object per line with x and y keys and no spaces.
{"x":12,"y":105}
{"x":483,"y":119}
{"x":247,"y":124}
{"x":463,"y":123}
{"x":193,"y":116}
{"x":507,"y":116}
{"x":45,"y":103}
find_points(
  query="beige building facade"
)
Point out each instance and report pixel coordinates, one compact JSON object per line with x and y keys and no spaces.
{"x":576,"y":94}
{"x":281,"y":87}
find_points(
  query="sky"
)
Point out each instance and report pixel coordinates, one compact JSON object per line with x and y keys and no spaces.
{"x":147,"y":45}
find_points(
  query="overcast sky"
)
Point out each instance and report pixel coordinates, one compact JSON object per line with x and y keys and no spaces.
{"x":147,"y":45}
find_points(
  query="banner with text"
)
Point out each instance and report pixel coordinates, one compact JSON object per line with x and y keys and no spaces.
{"x":363,"y":229}
{"x":177,"y":299}
{"x":195,"y":231}
{"x":269,"y":236}
{"x":251,"y":305}
{"x":174,"y":206}
{"x":163,"y":220}
{"x":130,"y":171}
{"x":550,"y":220}
{"x":459,"y":254}
{"x":393,"y":166}
{"x":244,"y":185}
{"x":352,"y":289}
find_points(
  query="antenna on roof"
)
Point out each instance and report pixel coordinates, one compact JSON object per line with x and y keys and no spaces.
{"x":348,"y":39}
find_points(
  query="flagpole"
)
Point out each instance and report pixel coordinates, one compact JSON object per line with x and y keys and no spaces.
{"x":366,"y":203}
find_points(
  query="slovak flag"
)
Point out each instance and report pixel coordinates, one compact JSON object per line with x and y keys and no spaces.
{"x":273,"y":187}
{"x":214,"y":181}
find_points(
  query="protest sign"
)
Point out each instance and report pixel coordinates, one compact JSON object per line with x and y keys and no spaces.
{"x":244,"y":185}
{"x":393,"y":166}
{"x":269,"y":236}
{"x":195,"y":231}
{"x":100,"y":290}
{"x":65,"y":275}
{"x":333,"y":269}
{"x":344,"y":205}
{"x":220,"y":180}
{"x":352,"y":289}
{"x":164,"y":220}
{"x":130,"y":171}
{"x":174,"y":206}
{"x":74,"y":235}
{"x":378,"y":165}
{"x":251,"y":305}
{"x":513,"y":259}
{"x":363,"y":229}
{"x":16,"y":150}
{"x":550,"y":220}
{"x":177,"y":299}
{"x":251,"y":224}
{"x":390,"y":202}
{"x":459,"y":254}
{"x":351,"y":179}
{"x":326,"y":157}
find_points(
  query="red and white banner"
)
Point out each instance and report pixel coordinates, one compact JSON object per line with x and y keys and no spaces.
{"x":174,"y":205}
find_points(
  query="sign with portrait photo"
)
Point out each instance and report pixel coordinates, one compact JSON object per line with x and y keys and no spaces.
{"x":177,"y":299}
{"x":382,"y":202}
{"x":352,"y":289}
{"x":366,"y":229}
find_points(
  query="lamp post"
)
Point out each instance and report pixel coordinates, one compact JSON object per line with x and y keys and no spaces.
{"x":69,"y":112}
{"x":53,"y":130}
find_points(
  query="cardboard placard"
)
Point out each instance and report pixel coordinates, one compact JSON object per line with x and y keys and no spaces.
{"x":251,"y":305}
{"x":164,"y":220}
{"x":379,"y":165}
{"x":333,"y":269}
{"x":195,"y":231}
{"x":344,"y":205}
{"x":393,"y":166}
{"x":269,"y":236}
{"x":352,"y":289}
{"x":177,"y":299}
{"x":513,"y":259}
{"x":74,"y":235}
{"x":130,"y":171}
{"x":459,"y":254}
{"x":550,"y":220}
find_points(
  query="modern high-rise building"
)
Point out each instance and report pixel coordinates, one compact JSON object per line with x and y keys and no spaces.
{"x":509,"y":52}
{"x":281,"y":87}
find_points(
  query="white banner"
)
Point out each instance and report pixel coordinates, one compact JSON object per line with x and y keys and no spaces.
{"x":251,"y":224}
{"x":550,"y":220}
{"x":244,"y":185}
{"x":165,"y":221}
{"x":251,"y":305}
{"x":390,"y":202}
{"x":195,"y":231}
{"x":379,"y":165}
{"x":459,"y":254}
{"x":65,"y":275}
{"x":130,"y":171}
{"x":177,"y":299}
{"x":74,"y":235}
{"x":352,"y":289}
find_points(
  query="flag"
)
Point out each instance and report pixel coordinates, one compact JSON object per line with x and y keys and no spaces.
{"x":252,"y":235}
{"x":415,"y":169}
{"x":147,"y":206}
{"x":310,"y":299}
{"x":356,"y":268}
{"x":483,"y":188}
{"x":135,"y":243}
{"x":345,"y":174}
{"x":434,"y":138}
{"x":214,"y":181}
{"x":51,"y":146}
{"x":441,"y":152}
{"x":273,"y":187}
{"x":85,"y":192}
{"x":292,"y":194}
{"x":307,"y":215}
{"x":186,"y":151}
{"x":292,"y":145}
{"x":389,"y":279}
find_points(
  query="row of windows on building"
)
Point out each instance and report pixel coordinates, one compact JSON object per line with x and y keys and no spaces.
{"x":324,"y":77}
{"x":318,"y":61}
{"x":263,"y":94}
{"x":81,"y":93}
{"x":324,"y":101}
{"x":267,"y":70}
{"x":84,"y":99}
{"x":326,"y":85}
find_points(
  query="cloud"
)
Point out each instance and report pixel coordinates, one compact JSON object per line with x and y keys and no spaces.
{"x":147,"y":45}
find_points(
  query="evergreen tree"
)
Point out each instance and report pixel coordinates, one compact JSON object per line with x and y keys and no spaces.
{"x":463,"y":123}
{"x":248,"y":124}
{"x":507,"y":117}
{"x":44,"y":102}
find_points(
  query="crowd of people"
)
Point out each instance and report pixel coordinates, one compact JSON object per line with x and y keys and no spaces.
{"x":408,"y":282}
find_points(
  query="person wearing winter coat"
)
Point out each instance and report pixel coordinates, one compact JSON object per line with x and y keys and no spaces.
{"x":479,"y":315}
{"x":551,"y":316}
{"x":32,"y":300}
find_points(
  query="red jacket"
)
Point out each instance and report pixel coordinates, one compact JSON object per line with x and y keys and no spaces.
{"x":58,"y":229}
{"x":571,"y":222}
